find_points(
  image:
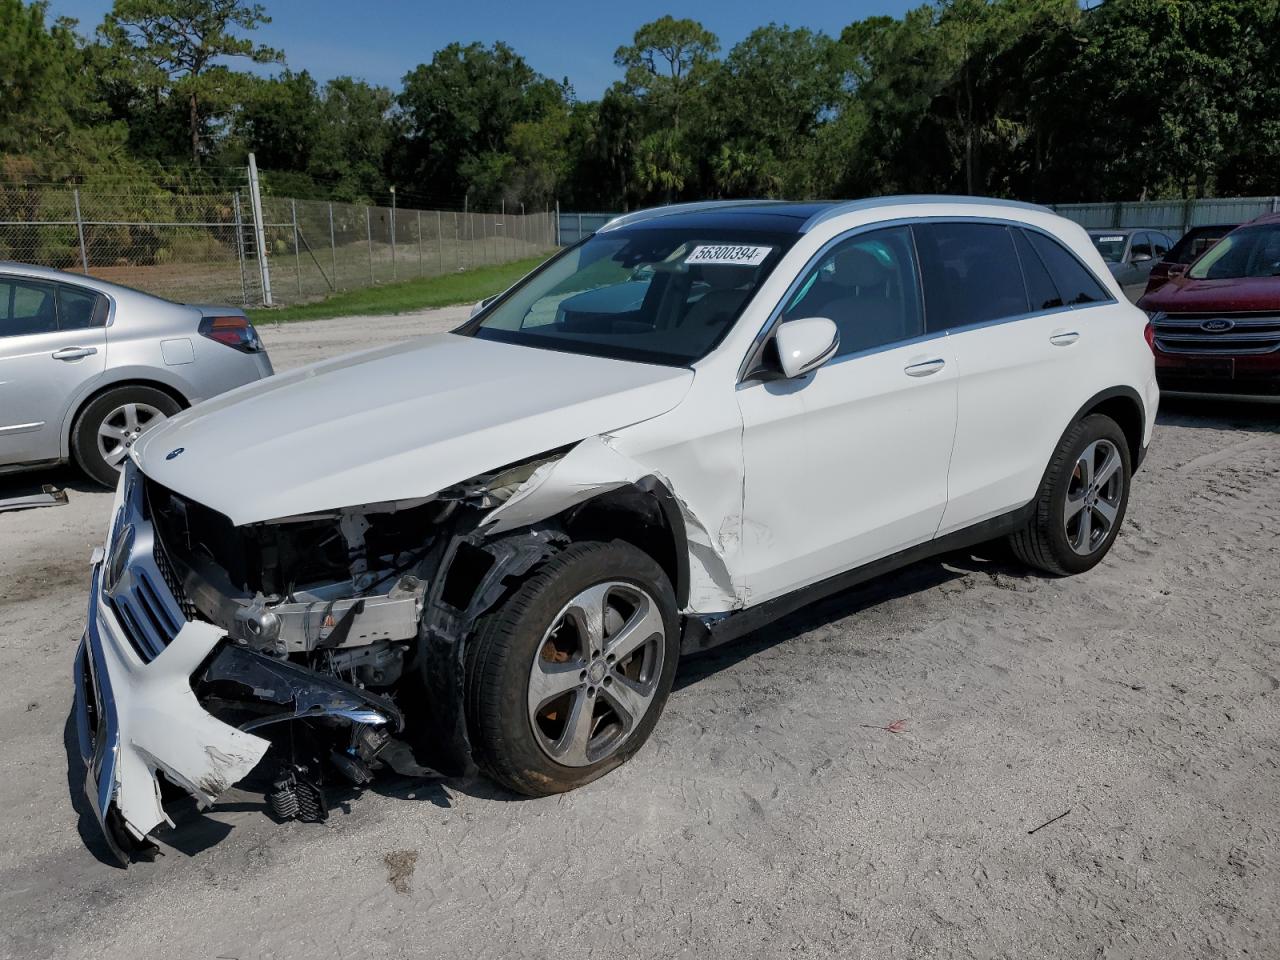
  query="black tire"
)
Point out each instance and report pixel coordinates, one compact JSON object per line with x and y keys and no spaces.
{"x":511,"y":640}
{"x":84,"y":435}
{"x":1045,"y":543}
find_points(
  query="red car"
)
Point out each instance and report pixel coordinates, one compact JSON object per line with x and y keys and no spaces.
{"x":1216,"y":329}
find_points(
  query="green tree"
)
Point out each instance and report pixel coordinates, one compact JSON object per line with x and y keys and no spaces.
{"x":459,"y":111}
{"x":52,"y":121}
{"x":176,"y":49}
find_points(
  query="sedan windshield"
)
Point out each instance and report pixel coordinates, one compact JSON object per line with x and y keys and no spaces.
{"x":1247,"y":252}
{"x":644,"y":293}
{"x":1110,"y":245}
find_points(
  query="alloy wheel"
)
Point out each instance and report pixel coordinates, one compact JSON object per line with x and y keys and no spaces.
{"x":596,"y":673}
{"x":1094,"y":497}
{"x":121,"y":428}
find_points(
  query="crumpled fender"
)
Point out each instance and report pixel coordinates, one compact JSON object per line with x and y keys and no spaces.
{"x":594,"y":467}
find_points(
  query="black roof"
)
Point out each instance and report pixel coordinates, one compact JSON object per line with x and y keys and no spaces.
{"x":765,"y":216}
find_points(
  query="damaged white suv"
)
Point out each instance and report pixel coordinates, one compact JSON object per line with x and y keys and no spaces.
{"x":491,"y":547}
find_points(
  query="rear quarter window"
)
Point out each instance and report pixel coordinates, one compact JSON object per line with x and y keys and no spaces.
{"x":81,"y":309}
{"x":1075,"y":283}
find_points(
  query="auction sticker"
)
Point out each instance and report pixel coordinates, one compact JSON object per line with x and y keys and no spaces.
{"x":737,"y":255}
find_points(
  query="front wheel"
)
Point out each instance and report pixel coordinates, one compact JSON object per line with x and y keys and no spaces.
{"x":1081,"y":502}
{"x":567,"y":678}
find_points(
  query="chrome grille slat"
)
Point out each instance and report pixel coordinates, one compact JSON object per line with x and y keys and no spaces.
{"x":144,"y":598}
{"x":1249,"y":333}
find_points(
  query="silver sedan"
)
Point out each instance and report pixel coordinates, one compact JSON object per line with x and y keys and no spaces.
{"x":86,"y":367}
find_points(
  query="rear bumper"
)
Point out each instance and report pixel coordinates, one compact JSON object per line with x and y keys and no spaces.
{"x":134,"y":719}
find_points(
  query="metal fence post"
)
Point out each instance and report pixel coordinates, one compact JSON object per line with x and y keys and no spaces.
{"x":333,"y":247}
{"x":439,"y":241}
{"x":244,"y":283}
{"x":259,"y":236}
{"x":368,"y":232}
{"x":297,"y":255}
{"x":558,"y":223}
{"x":422,"y":272}
{"x":84,"y":254}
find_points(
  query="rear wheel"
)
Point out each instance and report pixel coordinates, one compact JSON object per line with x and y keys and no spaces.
{"x":109,"y":426}
{"x":567,"y":678}
{"x":1081,"y":502}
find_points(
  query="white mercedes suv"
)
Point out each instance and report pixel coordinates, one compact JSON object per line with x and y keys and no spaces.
{"x":490,"y":548}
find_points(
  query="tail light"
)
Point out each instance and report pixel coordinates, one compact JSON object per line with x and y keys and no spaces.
{"x":1149,"y":334}
{"x":235,"y":332}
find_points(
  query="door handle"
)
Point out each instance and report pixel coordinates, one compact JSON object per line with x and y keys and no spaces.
{"x":74,"y":353}
{"x":925,"y":367}
{"x":1064,"y":338}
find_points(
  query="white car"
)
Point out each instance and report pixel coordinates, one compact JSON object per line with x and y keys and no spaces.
{"x":491,"y":547}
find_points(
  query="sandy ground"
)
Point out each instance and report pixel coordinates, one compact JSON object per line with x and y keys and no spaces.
{"x":775,"y":811}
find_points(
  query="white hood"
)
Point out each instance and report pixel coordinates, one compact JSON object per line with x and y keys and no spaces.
{"x":394,"y":423}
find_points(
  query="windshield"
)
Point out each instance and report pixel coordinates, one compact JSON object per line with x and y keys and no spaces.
{"x":654,"y":295}
{"x":1248,"y":252}
{"x":1195,"y":242}
{"x":1110,"y":245}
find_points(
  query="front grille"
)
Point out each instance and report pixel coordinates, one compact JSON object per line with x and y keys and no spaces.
{"x":1195,"y":333}
{"x":145,"y":594}
{"x":172,"y":582}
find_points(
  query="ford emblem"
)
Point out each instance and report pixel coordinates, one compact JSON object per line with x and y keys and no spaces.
{"x":1217,"y":325}
{"x":175,"y":452}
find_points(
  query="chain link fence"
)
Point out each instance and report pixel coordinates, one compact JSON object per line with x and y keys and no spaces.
{"x":204,"y":247}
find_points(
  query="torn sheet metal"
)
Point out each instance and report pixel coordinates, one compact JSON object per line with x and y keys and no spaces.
{"x":594,"y":467}
{"x":135,"y":718}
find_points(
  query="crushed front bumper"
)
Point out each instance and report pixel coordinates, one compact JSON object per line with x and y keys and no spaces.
{"x":135,"y":718}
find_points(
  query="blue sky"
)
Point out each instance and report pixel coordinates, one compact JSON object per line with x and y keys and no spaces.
{"x":381,"y":40}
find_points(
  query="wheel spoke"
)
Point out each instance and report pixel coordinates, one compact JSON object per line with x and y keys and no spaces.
{"x":586,"y":610}
{"x":572,"y":746}
{"x":1074,"y":506}
{"x":644,"y":625}
{"x":1106,"y":513}
{"x":110,"y":432}
{"x":1085,"y":465}
{"x":1084,"y":534}
{"x":550,"y":680}
{"x":130,"y":411}
{"x":1109,"y":466}
{"x":627,"y":698}
{"x":117,"y":454}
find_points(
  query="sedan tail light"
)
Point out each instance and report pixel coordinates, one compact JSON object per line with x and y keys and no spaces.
{"x":235,"y":332}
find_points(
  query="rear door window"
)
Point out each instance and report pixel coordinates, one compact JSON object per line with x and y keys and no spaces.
{"x":80,"y":309}
{"x":971,"y":274}
{"x":27,"y":307}
{"x":1077,"y":285}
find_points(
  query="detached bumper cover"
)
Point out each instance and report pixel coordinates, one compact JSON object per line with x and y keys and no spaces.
{"x":134,"y":719}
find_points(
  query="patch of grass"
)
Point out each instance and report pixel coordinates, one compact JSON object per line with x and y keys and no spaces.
{"x":450,"y":288}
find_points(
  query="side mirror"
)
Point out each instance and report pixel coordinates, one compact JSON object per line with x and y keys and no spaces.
{"x":805,"y":345}
{"x":1176,"y":269}
{"x":1140,"y":258}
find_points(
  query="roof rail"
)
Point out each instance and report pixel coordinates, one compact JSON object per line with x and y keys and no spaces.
{"x":653,"y":213}
{"x":872,"y":203}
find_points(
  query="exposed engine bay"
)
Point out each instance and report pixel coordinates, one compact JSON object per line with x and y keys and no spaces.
{"x":342,"y":595}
